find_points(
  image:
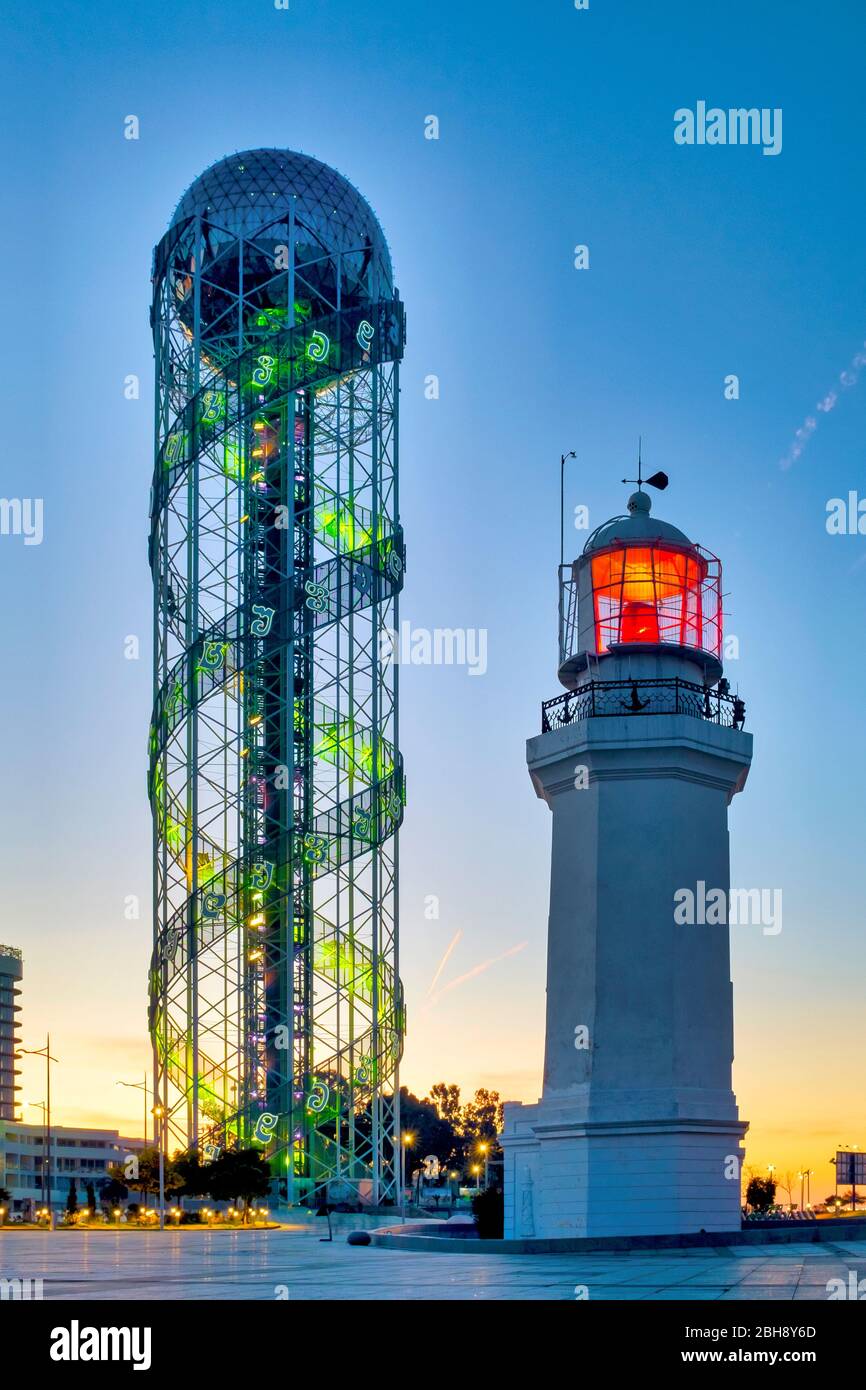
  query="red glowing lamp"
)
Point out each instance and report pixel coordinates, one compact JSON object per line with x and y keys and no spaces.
{"x":656,"y":593}
{"x":640,"y":622}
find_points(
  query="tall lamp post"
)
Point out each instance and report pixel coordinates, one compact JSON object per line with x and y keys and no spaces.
{"x":43,"y":1108}
{"x":485,"y":1150}
{"x":563,"y":460}
{"x":853,"y":1148}
{"x":140,"y":1086}
{"x":159,"y":1113}
{"x":46,"y":1053}
{"x":406,"y":1140}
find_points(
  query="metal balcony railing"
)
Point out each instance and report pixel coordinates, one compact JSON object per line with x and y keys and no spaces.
{"x":670,"y":695}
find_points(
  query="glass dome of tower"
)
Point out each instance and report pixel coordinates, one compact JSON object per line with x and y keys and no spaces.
{"x":253,"y":188}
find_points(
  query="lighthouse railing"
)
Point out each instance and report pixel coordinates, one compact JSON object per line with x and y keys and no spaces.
{"x":665,"y":695}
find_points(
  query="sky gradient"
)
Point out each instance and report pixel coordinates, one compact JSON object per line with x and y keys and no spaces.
{"x":556,"y":129}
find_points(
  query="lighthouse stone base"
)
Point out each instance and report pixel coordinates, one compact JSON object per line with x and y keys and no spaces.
{"x":566,"y":1175}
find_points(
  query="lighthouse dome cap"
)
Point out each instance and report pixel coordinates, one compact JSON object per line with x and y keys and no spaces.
{"x":637,"y":526}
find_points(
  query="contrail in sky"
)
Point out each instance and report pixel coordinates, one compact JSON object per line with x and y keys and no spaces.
{"x":802,"y":436}
{"x":477,"y":970}
{"x":442,"y":963}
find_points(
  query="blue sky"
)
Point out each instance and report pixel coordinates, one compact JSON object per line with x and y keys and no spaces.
{"x":556,"y":128}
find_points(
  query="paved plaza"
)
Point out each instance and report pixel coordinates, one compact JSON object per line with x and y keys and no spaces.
{"x":296,"y":1265}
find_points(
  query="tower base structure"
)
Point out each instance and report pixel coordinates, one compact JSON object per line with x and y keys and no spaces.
{"x":637,"y":1131}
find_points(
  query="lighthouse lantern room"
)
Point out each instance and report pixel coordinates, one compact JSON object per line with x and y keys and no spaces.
{"x":640,"y":582}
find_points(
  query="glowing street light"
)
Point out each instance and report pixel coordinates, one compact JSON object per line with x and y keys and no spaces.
{"x":159,"y":1114}
{"x":484,"y":1148}
{"x":407,"y":1140}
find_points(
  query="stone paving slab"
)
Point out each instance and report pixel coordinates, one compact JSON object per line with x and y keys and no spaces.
{"x":201,"y":1265}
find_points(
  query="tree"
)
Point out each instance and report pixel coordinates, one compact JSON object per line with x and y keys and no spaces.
{"x":788,"y":1183}
{"x":480,"y":1124}
{"x":72,"y":1199}
{"x":191,"y":1177}
{"x":431,"y":1133}
{"x":446,"y":1099}
{"x":147,"y":1173}
{"x":112,"y":1191}
{"x":238,"y":1175}
{"x":760,"y":1194}
{"x":5,"y":1196}
{"x":476,"y":1121}
{"x":91,"y":1196}
{"x":488,"y":1208}
{"x":482,"y":1117}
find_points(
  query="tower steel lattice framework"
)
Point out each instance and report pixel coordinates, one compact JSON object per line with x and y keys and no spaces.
{"x":275,"y":779}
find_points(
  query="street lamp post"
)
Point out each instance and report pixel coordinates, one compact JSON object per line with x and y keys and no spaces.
{"x":46,"y":1053}
{"x":771,"y":1168}
{"x":159,"y":1112}
{"x":485,"y":1149}
{"x":853,"y":1148}
{"x":41,"y":1105}
{"x":563,"y":459}
{"x":406,"y":1140}
{"x":140,"y":1086}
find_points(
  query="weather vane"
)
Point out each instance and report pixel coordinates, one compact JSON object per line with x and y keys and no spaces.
{"x":659,"y":480}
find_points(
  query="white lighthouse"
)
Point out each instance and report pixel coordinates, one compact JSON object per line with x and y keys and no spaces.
{"x":637,"y":1129}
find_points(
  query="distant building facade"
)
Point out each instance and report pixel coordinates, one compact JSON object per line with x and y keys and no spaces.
{"x":11,"y":970}
{"x":80,"y":1155}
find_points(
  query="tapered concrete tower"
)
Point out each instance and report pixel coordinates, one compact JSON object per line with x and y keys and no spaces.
{"x":637,"y":1129}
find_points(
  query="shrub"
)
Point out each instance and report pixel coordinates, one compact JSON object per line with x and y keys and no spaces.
{"x":488,"y":1208}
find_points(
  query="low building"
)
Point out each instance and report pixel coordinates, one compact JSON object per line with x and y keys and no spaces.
{"x":80,"y":1155}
